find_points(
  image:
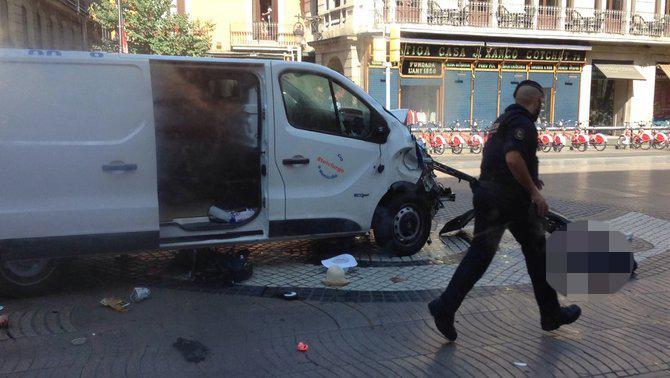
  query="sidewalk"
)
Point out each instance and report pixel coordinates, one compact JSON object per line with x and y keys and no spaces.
{"x":379,"y":331}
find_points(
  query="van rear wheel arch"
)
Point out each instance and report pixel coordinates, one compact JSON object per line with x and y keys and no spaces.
{"x":21,"y":278}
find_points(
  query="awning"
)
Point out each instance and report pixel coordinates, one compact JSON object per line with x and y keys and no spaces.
{"x":620,"y":71}
{"x":665,"y":68}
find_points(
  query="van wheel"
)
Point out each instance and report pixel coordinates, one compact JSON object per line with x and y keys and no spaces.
{"x":20,"y":278}
{"x":402,"y":225}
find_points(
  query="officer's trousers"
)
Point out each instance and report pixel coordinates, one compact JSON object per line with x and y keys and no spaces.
{"x":498,"y":208}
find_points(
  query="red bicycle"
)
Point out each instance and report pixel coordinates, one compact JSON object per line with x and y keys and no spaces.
{"x":579,"y":140}
{"x":660,"y":140}
{"x":598,"y":141}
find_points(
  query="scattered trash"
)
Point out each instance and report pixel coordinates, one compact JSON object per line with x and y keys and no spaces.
{"x":302,"y":347}
{"x":193,"y":351}
{"x":520,"y":364}
{"x":78,"y":341}
{"x":397,"y":279}
{"x":117,"y":304}
{"x":344,"y":261}
{"x":139,"y":294}
{"x":4,"y":321}
{"x":335,"y":277}
{"x":289,"y":295}
{"x":216,"y":214}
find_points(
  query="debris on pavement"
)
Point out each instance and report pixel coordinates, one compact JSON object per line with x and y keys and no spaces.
{"x":139,"y":294}
{"x":344,"y":261}
{"x":192,"y":350}
{"x":78,"y":341}
{"x":289,"y":295}
{"x":117,"y":304}
{"x":4,"y":321}
{"x":302,"y":347}
{"x":335,"y":277}
{"x":398,"y":279}
{"x":520,"y":364}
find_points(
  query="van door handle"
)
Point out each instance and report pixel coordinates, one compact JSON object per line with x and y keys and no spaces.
{"x":116,"y":167}
{"x":296,"y":160}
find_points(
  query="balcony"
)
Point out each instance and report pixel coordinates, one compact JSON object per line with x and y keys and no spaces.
{"x":495,"y":18}
{"x":264,"y":35}
{"x":572,"y":21}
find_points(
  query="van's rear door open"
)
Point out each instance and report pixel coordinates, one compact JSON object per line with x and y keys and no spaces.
{"x":77,"y":155}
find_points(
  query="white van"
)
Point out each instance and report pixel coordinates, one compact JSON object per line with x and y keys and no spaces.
{"x":109,"y":153}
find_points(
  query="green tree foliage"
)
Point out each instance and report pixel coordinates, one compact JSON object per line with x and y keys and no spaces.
{"x":151,"y":28}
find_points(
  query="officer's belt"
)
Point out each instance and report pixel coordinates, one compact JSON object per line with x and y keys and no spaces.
{"x":497,"y":177}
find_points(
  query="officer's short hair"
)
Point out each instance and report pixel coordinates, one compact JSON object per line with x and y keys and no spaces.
{"x":529,"y":83}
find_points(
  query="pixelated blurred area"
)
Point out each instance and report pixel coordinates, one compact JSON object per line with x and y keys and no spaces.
{"x":589,"y":259}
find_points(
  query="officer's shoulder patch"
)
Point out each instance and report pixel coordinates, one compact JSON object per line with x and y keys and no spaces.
{"x":519,"y":134}
{"x":494,"y":128}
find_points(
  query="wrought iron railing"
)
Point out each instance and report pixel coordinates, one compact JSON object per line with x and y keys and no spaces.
{"x":263,"y":33}
{"x":507,"y":16}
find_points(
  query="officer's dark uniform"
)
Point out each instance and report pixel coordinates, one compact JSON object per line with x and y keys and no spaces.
{"x":500,"y":202}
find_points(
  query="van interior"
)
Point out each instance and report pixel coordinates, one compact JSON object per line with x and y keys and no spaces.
{"x":208,"y":142}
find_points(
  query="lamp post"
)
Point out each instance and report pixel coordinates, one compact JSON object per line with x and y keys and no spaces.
{"x":120,"y":27}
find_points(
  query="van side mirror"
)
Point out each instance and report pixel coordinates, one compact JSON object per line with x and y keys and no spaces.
{"x":380,"y":134}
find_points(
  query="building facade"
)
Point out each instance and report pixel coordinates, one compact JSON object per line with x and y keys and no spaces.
{"x":271,"y":28}
{"x":602,"y":62}
{"x":46,"y":24}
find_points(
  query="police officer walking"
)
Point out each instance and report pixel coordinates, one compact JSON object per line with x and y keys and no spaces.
{"x":508,"y":197}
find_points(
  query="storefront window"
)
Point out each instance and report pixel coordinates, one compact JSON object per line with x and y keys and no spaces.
{"x":662,"y":97}
{"x":546,"y":80}
{"x":423,"y":96}
{"x":602,"y":100}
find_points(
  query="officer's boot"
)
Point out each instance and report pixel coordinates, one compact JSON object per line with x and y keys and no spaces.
{"x":567,"y":315}
{"x":444,"y":319}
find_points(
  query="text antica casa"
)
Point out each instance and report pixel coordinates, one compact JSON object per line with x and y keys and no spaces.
{"x":489,"y":53}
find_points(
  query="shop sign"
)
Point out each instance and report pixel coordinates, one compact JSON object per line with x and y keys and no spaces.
{"x":497,"y":53}
{"x":486,"y":66}
{"x":421,"y":68}
{"x":569,"y":68}
{"x":514,"y":67}
{"x":458,"y":65}
{"x":542,"y":67}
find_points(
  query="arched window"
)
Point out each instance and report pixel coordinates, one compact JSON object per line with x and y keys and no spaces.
{"x":49,"y":35}
{"x":4,"y":22}
{"x":24,"y":27}
{"x":38,"y":30}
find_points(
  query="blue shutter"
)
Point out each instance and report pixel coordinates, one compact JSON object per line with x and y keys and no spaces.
{"x":377,"y":86}
{"x":456,"y":97}
{"x":420,"y":82}
{"x":486,"y":98}
{"x":567,"y":97}
{"x":508,"y":84}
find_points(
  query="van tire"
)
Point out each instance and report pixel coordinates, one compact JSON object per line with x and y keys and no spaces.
{"x":402,"y":225}
{"x":24,"y":278}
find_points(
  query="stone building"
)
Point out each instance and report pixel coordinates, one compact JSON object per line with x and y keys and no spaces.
{"x":46,"y":24}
